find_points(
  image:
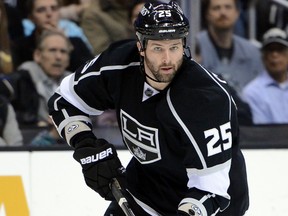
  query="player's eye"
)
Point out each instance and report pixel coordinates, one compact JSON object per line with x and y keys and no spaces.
{"x":157,"y":49}
{"x":174,"y":48}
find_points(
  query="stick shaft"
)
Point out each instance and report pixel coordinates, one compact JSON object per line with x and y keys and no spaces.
{"x":121,"y":200}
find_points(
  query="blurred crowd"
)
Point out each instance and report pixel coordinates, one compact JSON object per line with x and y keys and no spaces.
{"x":42,"y":41}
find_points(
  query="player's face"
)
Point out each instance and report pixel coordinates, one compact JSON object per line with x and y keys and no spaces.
{"x":222,"y":14}
{"x":53,"y":57}
{"x":45,"y":14}
{"x":163,"y":58}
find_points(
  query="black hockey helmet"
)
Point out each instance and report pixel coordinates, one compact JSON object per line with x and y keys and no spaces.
{"x":160,"y":21}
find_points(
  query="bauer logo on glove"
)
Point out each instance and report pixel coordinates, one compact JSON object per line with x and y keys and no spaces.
{"x":96,"y":157}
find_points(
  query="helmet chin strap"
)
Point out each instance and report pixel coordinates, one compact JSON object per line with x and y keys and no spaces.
{"x":187,"y":52}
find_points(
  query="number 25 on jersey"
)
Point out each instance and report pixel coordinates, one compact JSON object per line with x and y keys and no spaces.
{"x":220,"y":135}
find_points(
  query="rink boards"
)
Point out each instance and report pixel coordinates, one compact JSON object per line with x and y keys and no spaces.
{"x":45,"y":183}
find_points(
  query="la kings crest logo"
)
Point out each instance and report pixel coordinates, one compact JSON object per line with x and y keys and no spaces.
{"x":142,"y":141}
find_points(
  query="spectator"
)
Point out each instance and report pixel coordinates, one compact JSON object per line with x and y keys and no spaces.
{"x":134,"y":9}
{"x":241,"y":25}
{"x":6,"y":64}
{"x":73,"y":10}
{"x":71,"y":28}
{"x":267,"y":94}
{"x":234,"y":58}
{"x":45,"y":15}
{"x":106,"y":21}
{"x":10,"y":134}
{"x":14,"y":22}
{"x":35,"y":81}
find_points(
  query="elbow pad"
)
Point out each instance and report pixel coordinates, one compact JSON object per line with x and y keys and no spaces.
{"x":75,"y":128}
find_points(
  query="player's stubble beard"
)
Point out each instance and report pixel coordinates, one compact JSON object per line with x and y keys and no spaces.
{"x":155,"y":70}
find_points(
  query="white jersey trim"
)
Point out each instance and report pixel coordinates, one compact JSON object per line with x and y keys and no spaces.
{"x":215,"y":179}
{"x":105,"y":68}
{"x":145,"y":207}
{"x":68,"y":93}
{"x":148,"y":92}
{"x":67,"y":87}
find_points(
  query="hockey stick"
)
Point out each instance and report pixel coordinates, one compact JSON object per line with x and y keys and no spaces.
{"x":121,"y":200}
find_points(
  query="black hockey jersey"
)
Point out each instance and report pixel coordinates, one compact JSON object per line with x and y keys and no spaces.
{"x":183,"y":139}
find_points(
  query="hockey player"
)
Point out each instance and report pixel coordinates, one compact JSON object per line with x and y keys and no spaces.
{"x":177,"y":119}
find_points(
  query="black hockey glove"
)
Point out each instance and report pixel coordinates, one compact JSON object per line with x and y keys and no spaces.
{"x":100,"y":164}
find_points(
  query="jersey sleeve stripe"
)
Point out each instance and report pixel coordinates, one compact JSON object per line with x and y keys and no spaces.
{"x":68,"y":93}
{"x":106,"y":68}
{"x":145,"y":207}
{"x":56,"y":100}
{"x":215,"y":179}
{"x":209,"y":170}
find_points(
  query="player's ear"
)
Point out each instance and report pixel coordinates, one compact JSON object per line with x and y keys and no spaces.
{"x":140,"y":49}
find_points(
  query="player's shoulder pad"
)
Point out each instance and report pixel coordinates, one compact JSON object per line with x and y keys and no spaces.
{"x":122,"y":52}
{"x":196,"y":82}
{"x":119,"y":53}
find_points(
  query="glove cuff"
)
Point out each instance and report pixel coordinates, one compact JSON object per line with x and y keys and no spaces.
{"x":86,"y":137}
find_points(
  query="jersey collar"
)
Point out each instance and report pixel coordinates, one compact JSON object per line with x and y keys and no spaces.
{"x":148,"y":92}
